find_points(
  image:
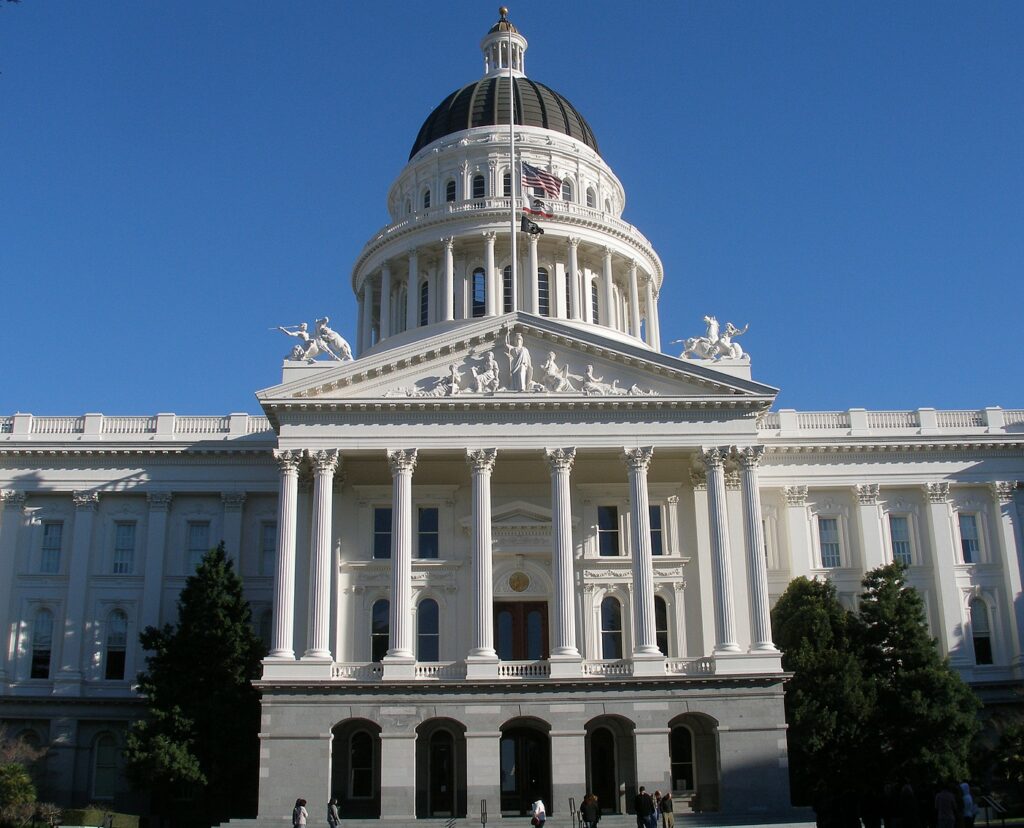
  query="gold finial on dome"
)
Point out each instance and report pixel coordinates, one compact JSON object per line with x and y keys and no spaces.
{"x":503,"y":11}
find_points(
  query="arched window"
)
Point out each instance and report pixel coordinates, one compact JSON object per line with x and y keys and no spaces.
{"x":360,"y":764}
{"x":591,"y":197}
{"x":479,"y":292}
{"x":117,"y":643}
{"x":424,"y":304}
{"x":681,"y":753}
{"x":380,"y":628}
{"x":506,"y":185}
{"x":506,"y":290}
{"x":42,"y":644}
{"x":426,"y":199}
{"x":428,"y":634}
{"x":595,"y":307}
{"x":566,"y":190}
{"x":478,"y":186}
{"x":981,"y":632}
{"x":611,"y":629}
{"x":661,"y":624}
{"x":543,"y":292}
{"x":449,"y":191}
{"x":104,"y":767}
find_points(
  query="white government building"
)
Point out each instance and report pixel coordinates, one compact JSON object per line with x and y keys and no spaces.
{"x":512,"y":549}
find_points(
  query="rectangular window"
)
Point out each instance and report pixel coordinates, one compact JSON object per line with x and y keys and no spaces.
{"x":970,"y":544}
{"x":828,"y":536}
{"x":49,"y":561}
{"x":657,"y":534}
{"x":427,"y":539}
{"x":268,"y":548}
{"x":198,"y":540}
{"x":124,"y":548}
{"x":608,"y":530}
{"x":382,"y":532}
{"x":899,"y":532}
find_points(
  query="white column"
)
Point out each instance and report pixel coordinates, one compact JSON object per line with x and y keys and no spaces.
{"x":448,"y":280}
{"x":718,"y":520}
{"x":493,"y":303}
{"x":12,"y":518}
{"x":757,"y":566}
{"x":645,"y":640}
{"x":798,"y":531}
{"x":944,"y":558}
{"x":657,"y":324}
{"x":649,"y":334}
{"x":572,"y":278}
{"x":412,"y":294}
{"x":870,"y":526}
{"x":156,"y":541}
{"x":532,"y":298}
{"x":634,"y":300}
{"x":400,"y":659}
{"x":360,"y":321}
{"x":325,"y":463}
{"x":1010,"y":554}
{"x":385,"y":301}
{"x":233,"y":503}
{"x":283,"y":643}
{"x":78,"y":577}
{"x":608,"y":302}
{"x":588,"y":300}
{"x":560,"y":462}
{"x":366,"y":316}
{"x":482,"y":660}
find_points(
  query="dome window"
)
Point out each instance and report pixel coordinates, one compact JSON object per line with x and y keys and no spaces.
{"x":426,"y":199}
{"x":543,"y":292}
{"x":591,"y":197}
{"x":566,"y":190}
{"x":506,"y":185}
{"x":506,"y":285}
{"x":478,"y":186}
{"x":449,"y":191}
{"x":479,"y":293}
{"x":424,"y":304}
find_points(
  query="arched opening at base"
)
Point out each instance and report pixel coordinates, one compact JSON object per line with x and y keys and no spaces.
{"x":355,"y":768}
{"x":611,"y":763}
{"x":440,"y":769}
{"x":693,"y":753}
{"x":525,"y":756}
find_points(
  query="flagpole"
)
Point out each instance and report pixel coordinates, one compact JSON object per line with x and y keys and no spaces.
{"x":512,"y":178}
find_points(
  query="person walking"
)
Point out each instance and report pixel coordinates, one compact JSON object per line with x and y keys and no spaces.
{"x":333,"y":818}
{"x":540,"y":815}
{"x":590,"y":811}
{"x":299,"y":814}
{"x":643,"y":805}
{"x":668,"y":816}
{"x":970,"y":806}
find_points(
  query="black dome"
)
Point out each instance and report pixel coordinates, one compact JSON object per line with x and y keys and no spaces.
{"x":485,"y":103}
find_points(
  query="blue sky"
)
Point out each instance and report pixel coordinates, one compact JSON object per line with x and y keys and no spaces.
{"x":178,"y":177}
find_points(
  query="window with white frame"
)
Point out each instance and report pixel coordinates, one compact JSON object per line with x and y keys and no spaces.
{"x":608,"y":531}
{"x":543,"y":292}
{"x":380,"y":629}
{"x":42,"y":644}
{"x":657,"y":530}
{"x":611,"y":629}
{"x":828,"y":541}
{"x":53,"y":536}
{"x":970,"y":539}
{"x":506,"y":185}
{"x":566,"y":190}
{"x":478,"y":186}
{"x":506,"y":289}
{"x":116,"y":646}
{"x":428,"y":631}
{"x":123,"y":562}
{"x":104,"y":767}
{"x":479,"y":293}
{"x":382,"y":532}
{"x":426,"y":199}
{"x":428,"y":543}
{"x":449,"y":191}
{"x":268,"y":547}
{"x":591,"y":197}
{"x":981,"y":633}
{"x":197,"y":542}
{"x":661,"y":624}
{"x":899,"y":534}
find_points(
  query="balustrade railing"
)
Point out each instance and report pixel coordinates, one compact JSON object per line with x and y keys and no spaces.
{"x":201,"y":425}
{"x":823,"y":419}
{"x":523,"y":669}
{"x":357,"y":672}
{"x":892,"y":419}
{"x":129,"y":425}
{"x":58,"y":425}
{"x":959,"y":419}
{"x":441,"y":670}
{"x":1013,"y":416}
{"x":608,"y":668}
{"x":704,"y":666}
{"x":858,"y":420}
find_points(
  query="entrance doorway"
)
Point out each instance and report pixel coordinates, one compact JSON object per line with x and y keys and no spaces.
{"x":602,"y":770}
{"x":525,"y":770}
{"x":521,"y":630}
{"x":440,"y":769}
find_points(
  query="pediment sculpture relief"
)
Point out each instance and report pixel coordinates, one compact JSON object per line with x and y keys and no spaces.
{"x":715,"y":344}
{"x":322,"y":342}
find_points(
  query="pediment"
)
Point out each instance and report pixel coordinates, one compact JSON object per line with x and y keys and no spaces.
{"x":516,"y":357}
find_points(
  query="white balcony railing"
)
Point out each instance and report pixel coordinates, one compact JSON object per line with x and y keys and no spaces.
{"x":858,"y":422}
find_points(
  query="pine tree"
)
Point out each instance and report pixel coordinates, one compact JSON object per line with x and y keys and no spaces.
{"x":925,"y":716}
{"x":198,"y":751}
{"x":828,"y":699}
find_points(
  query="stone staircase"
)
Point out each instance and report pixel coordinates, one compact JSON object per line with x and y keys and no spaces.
{"x":797,"y":818}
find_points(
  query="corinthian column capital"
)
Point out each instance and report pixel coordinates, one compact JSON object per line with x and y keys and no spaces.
{"x":288,"y":460}
{"x":1002,"y":490}
{"x":325,"y":461}
{"x":12,"y":498}
{"x":560,"y":459}
{"x":402,"y":460}
{"x":482,"y":460}
{"x":86,"y":500}
{"x":714,"y":457}
{"x":749,"y":457}
{"x":638,"y":458}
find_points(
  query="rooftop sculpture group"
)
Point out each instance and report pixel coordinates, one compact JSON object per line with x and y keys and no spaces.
{"x":323,"y":341}
{"x":715,"y":344}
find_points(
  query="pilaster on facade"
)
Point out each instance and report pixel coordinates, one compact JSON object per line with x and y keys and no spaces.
{"x":156,"y":549}
{"x":482,"y":661}
{"x":1010,"y":543}
{"x":12,"y":517}
{"x":941,"y":535}
{"x":69,"y":677}
{"x":870,"y":526}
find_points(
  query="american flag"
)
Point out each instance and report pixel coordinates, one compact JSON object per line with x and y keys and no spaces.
{"x":541,"y":180}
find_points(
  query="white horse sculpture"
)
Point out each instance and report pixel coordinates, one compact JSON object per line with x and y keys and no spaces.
{"x":713,"y":344}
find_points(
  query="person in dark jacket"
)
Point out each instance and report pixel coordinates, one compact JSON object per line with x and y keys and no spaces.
{"x":590,"y":811}
{"x":644,"y":807}
{"x":668,"y":817}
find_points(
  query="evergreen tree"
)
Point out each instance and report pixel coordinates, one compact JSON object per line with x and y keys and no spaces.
{"x":925,"y":716}
{"x":828,"y":699}
{"x":198,"y":751}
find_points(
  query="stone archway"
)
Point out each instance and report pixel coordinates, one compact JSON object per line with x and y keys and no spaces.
{"x":525,"y":766}
{"x":440,"y":769}
{"x":611,"y":762}
{"x":355,"y":768}
{"x":693,"y":753}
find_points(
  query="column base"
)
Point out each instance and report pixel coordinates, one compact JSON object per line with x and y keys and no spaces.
{"x":727,"y":664}
{"x":482,"y":667}
{"x":399,"y":668}
{"x":648,"y":664}
{"x":567,"y":666}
